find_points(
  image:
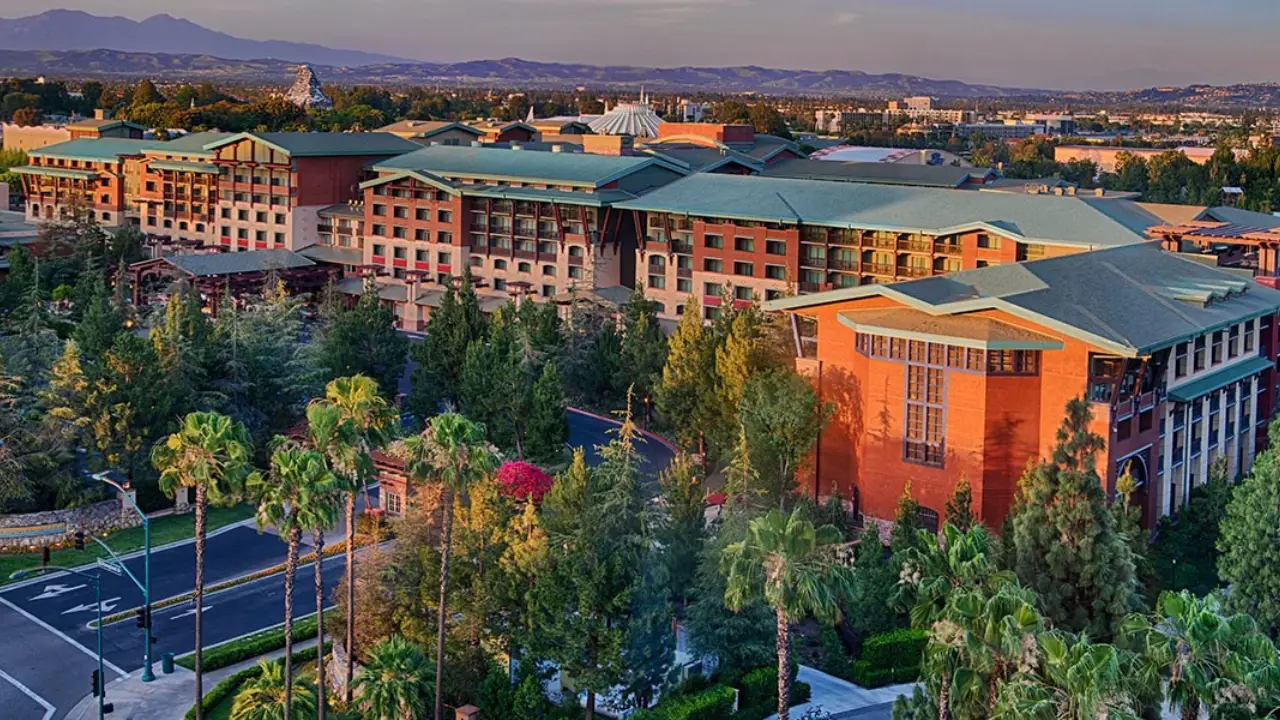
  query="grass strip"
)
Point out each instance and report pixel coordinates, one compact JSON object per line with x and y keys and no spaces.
{"x":259,"y":643}
{"x":217,"y":703}
{"x":164,"y":530}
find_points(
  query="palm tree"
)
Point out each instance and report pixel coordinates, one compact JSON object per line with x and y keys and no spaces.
{"x":452,"y":450}
{"x":210,"y":453}
{"x":395,"y":683}
{"x":1207,"y":658}
{"x":1076,"y":680}
{"x":791,"y":565}
{"x":299,"y":483}
{"x":268,"y":696}
{"x":368,"y":421}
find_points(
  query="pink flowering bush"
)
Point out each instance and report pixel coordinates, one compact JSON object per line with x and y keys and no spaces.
{"x":522,"y":480}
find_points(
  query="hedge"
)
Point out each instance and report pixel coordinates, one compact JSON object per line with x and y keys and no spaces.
{"x":231,"y":685}
{"x":866,"y":676}
{"x":714,"y":703}
{"x":761,"y":709}
{"x":253,"y":645}
{"x":890,"y":658}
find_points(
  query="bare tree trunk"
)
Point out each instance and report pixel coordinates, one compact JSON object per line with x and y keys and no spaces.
{"x":1191,"y":709}
{"x":446,"y":547}
{"x":317,"y":536}
{"x":290,"y":569}
{"x":784,"y":666}
{"x":351,"y":590}
{"x":944,"y":697}
{"x":199,"y":596}
{"x":591,"y":705}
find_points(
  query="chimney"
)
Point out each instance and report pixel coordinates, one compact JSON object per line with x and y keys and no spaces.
{"x":101,"y":114}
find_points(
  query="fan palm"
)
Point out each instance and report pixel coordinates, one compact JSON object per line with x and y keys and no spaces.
{"x":268,"y":696}
{"x":395,"y":683}
{"x":792,"y":565}
{"x":367,"y":421}
{"x":300,"y":484}
{"x":210,"y":453}
{"x":453,"y":452}
{"x":1076,"y":680}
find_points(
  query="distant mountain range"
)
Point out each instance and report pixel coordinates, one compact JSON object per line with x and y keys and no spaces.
{"x":75,"y":30}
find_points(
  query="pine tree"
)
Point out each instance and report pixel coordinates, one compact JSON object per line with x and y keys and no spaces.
{"x":548,"y":422}
{"x":364,"y":341}
{"x":1066,"y":545}
{"x":146,"y":93}
{"x":644,"y":347}
{"x":783,"y":418}
{"x":688,"y":379}
{"x":741,"y":481}
{"x":99,"y":322}
{"x":684,"y":529}
{"x":735,"y":360}
{"x":960,"y":506}
{"x":1249,"y":538}
{"x":906,"y":523}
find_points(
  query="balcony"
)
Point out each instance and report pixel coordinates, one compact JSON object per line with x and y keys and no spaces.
{"x":846,"y":238}
{"x":879,"y":269}
{"x":881,"y":243}
{"x":912,"y":271}
{"x":684,"y":272}
{"x":950,"y":249}
{"x":846,"y":264}
{"x":915,"y":245}
{"x":682,"y":248}
{"x":813,"y":261}
{"x":812,"y":287}
{"x":575,"y":260}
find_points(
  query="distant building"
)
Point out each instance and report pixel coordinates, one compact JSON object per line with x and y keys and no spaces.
{"x":26,"y":139}
{"x":427,"y":132}
{"x":306,"y":91}
{"x":1053,"y":124}
{"x":1008,"y":130}
{"x":1107,"y":157}
{"x":636,"y":119}
{"x":905,"y":156}
{"x":837,"y":122}
{"x":692,"y":112}
{"x":878,"y":173}
{"x":97,"y":173}
{"x":921,"y":109}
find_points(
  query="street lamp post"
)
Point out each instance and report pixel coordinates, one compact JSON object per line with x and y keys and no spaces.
{"x":100,"y":684}
{"x":147,"y":674}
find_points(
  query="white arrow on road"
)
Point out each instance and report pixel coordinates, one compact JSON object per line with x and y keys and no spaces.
{"x":53,"y":591}
{"x":192,"y":611}
{"x":107,"y":606}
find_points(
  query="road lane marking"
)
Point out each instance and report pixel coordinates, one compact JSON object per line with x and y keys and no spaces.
{"x":48,"y":709}
{"x":190,"y":612}
{"x":107,"y":606}
{"x":53,"y":591}
{"x":64,"y":636}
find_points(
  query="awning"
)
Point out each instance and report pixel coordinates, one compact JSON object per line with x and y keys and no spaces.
{"x":55,"y":172}
{"x":1218,"y":379}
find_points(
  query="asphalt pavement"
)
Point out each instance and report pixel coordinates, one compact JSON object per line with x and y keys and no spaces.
{"x":591,"y":432}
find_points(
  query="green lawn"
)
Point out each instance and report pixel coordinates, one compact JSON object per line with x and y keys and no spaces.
{"x":163,"y":530}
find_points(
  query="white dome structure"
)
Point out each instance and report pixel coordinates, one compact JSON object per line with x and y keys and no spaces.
{"x":635,"y":119}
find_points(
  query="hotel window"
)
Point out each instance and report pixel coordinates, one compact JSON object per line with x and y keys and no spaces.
{"x":684,"y":286}
{"x":151,"y":186}
{"x":744,"y":268}
{"x":260,"y":236}
{"x":225,"y":213}
{"x":442,"y":196}
{"x":976,"y":360}
{"x":955,"y":357}
{"x":744,"y":244}
{"x":224,"y":231}
{"x":712,"y":265}
{"x":394,"y":504}
{"x":712,"y":289}
{"x":442,"y":258}
{"x":399,"y":232}
{"x":524,"y":267}
{"x":1013,"y":362}
{"x":444,"y":238}
{"x":260,"y":217}
{"x":499,"y":264}
{"x":775,"y":247}
{"x":1215,"y":355}
{"x":400,"y":211}
{"x":279,"y":238}
{"x":379,"y":210}
{"x":499,"y":284}
{"x":1180,"y":361}
{"x":990,"y":242}
{"x":379,"y":230}
{"x":379,"y":250}
{"x":924,"y":438}
{"x":1233,"y":341}
{"x":398,"y":273}
{"x":444,"y":216}
{"x":242,"y":234}
{"x":575,"y":273}
{"x":1248,"y":336}
{"x":279,"y":218}
{"x":897,"y":349}
{"x":657,"y":263}
{"x":421,"y":235}
{"x":713,"y":241}
{"x":775,"y":272}
{"x":421,"y":214}
{"x":657,"y":282}
{"x":420,"y":255}
{"x":1197,"y":357}
{"x":242,"y":215}
{"x":743,"y":293}
{"x":399,"y":253}
{"x":549,"y":270}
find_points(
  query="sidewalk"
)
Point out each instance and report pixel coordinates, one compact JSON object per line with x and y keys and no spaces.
{"x":837,"y":696}
{"x":168,"y":697}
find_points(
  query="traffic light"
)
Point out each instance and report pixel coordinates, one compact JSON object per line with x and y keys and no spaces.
{"x":79,"y":539}
{"x":96,"y":681}
{"x":143,"y":617}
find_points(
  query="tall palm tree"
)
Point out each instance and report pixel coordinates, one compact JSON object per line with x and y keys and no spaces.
{"x":395,"y":683}
{"x":212,"y":454}
{"x":367,"y":422}
{"x":1203,"y":654}
{"x":789,"y":563}
{"x":453,"y":452}
{"x":1076,"y":679}
{"x":299,"y":483}
{"x":267,"y":696}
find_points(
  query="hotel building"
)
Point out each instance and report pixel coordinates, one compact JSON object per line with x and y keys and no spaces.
{"x":100,"y":173}
{"x":177,"y":194}
{"x":725,"y":238}
{"x":967,"y":376}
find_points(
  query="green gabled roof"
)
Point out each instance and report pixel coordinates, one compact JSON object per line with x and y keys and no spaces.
{"x":1029,"y":218}
{"x":234,"y":263}
{"x":184,"y":166}
{"x":189,"y":145}
{"x":1121,"y":299}
{"x":93,"y":149}
{"x":325,"y":144}
{"x":54,"y":172}
{"x":482,"y":163}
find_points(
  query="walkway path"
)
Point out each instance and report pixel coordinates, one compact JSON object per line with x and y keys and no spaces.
{"x":842,"y":699}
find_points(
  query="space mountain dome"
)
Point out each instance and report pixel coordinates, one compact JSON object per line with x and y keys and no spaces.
{"x":635,"y":119}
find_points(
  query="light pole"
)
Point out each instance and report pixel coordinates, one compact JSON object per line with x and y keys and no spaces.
{"x":147,"y":674}
{"x":100,"y":680}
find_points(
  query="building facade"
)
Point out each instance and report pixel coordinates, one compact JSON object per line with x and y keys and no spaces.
{"x":100,"y":175}
{"x":967,"y":376}
{"x":177,"y":193}
{"x":720,"y":239}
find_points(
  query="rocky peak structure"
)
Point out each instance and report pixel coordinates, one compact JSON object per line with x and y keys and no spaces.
{"x":306,"y":90}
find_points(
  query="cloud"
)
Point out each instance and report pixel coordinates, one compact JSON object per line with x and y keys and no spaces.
{"x":846,"y":18}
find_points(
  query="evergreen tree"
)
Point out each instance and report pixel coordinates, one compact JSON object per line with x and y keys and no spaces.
{"x":688,"y":379}
{"x":742,"y":640}
{"x":735,"y":360}
{"x":548,"y":422}
{"x":782,"y":417}
{"x":906,"y":523}
{"x":875,"y":580}
{"x":1065,"y":541}
{"x":184,"y":346}
{"x":1250,"y":536}
{"x":960,"y":506}
{"x":650,"y":645}
{"x":644,"y":346}
{"x":21,"y":276}
{"x":364,"y":341}
{"x":146,"y":93}
{"x":99,"y":323}
{"x":683,"y":533}
{"x":450,"y":330}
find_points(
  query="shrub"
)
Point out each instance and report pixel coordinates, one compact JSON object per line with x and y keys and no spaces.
{"x":835,"y":660}
{"x":714,"y":703}
{"x":231,"y":685}
{"x":523,"y":481}
{"x":895,"y":649}
{"x":254,"y":645}
{"x":758,"y":698}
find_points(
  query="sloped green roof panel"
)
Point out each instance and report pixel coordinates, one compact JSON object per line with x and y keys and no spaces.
{"x":93,"y":149}
{"x":234,"y":263}
{"x":1215,"y":380}
{"x":184,"y":166}
{"x":580,"y":169}
{"x":54,"y":172}
{"x":326,"y":144}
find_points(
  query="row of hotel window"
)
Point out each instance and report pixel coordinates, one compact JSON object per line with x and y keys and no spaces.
{"x":1223,"y":346}
{"x":402,"y":212}
{"x":991,"y":362}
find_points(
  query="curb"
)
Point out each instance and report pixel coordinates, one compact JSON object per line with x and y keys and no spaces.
{"x":649,"y":434}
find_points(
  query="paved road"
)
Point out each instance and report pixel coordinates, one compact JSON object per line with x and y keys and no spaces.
{"x":590,"y":432}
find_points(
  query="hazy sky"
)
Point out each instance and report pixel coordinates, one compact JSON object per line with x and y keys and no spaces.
{"x":1074,"y":44}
